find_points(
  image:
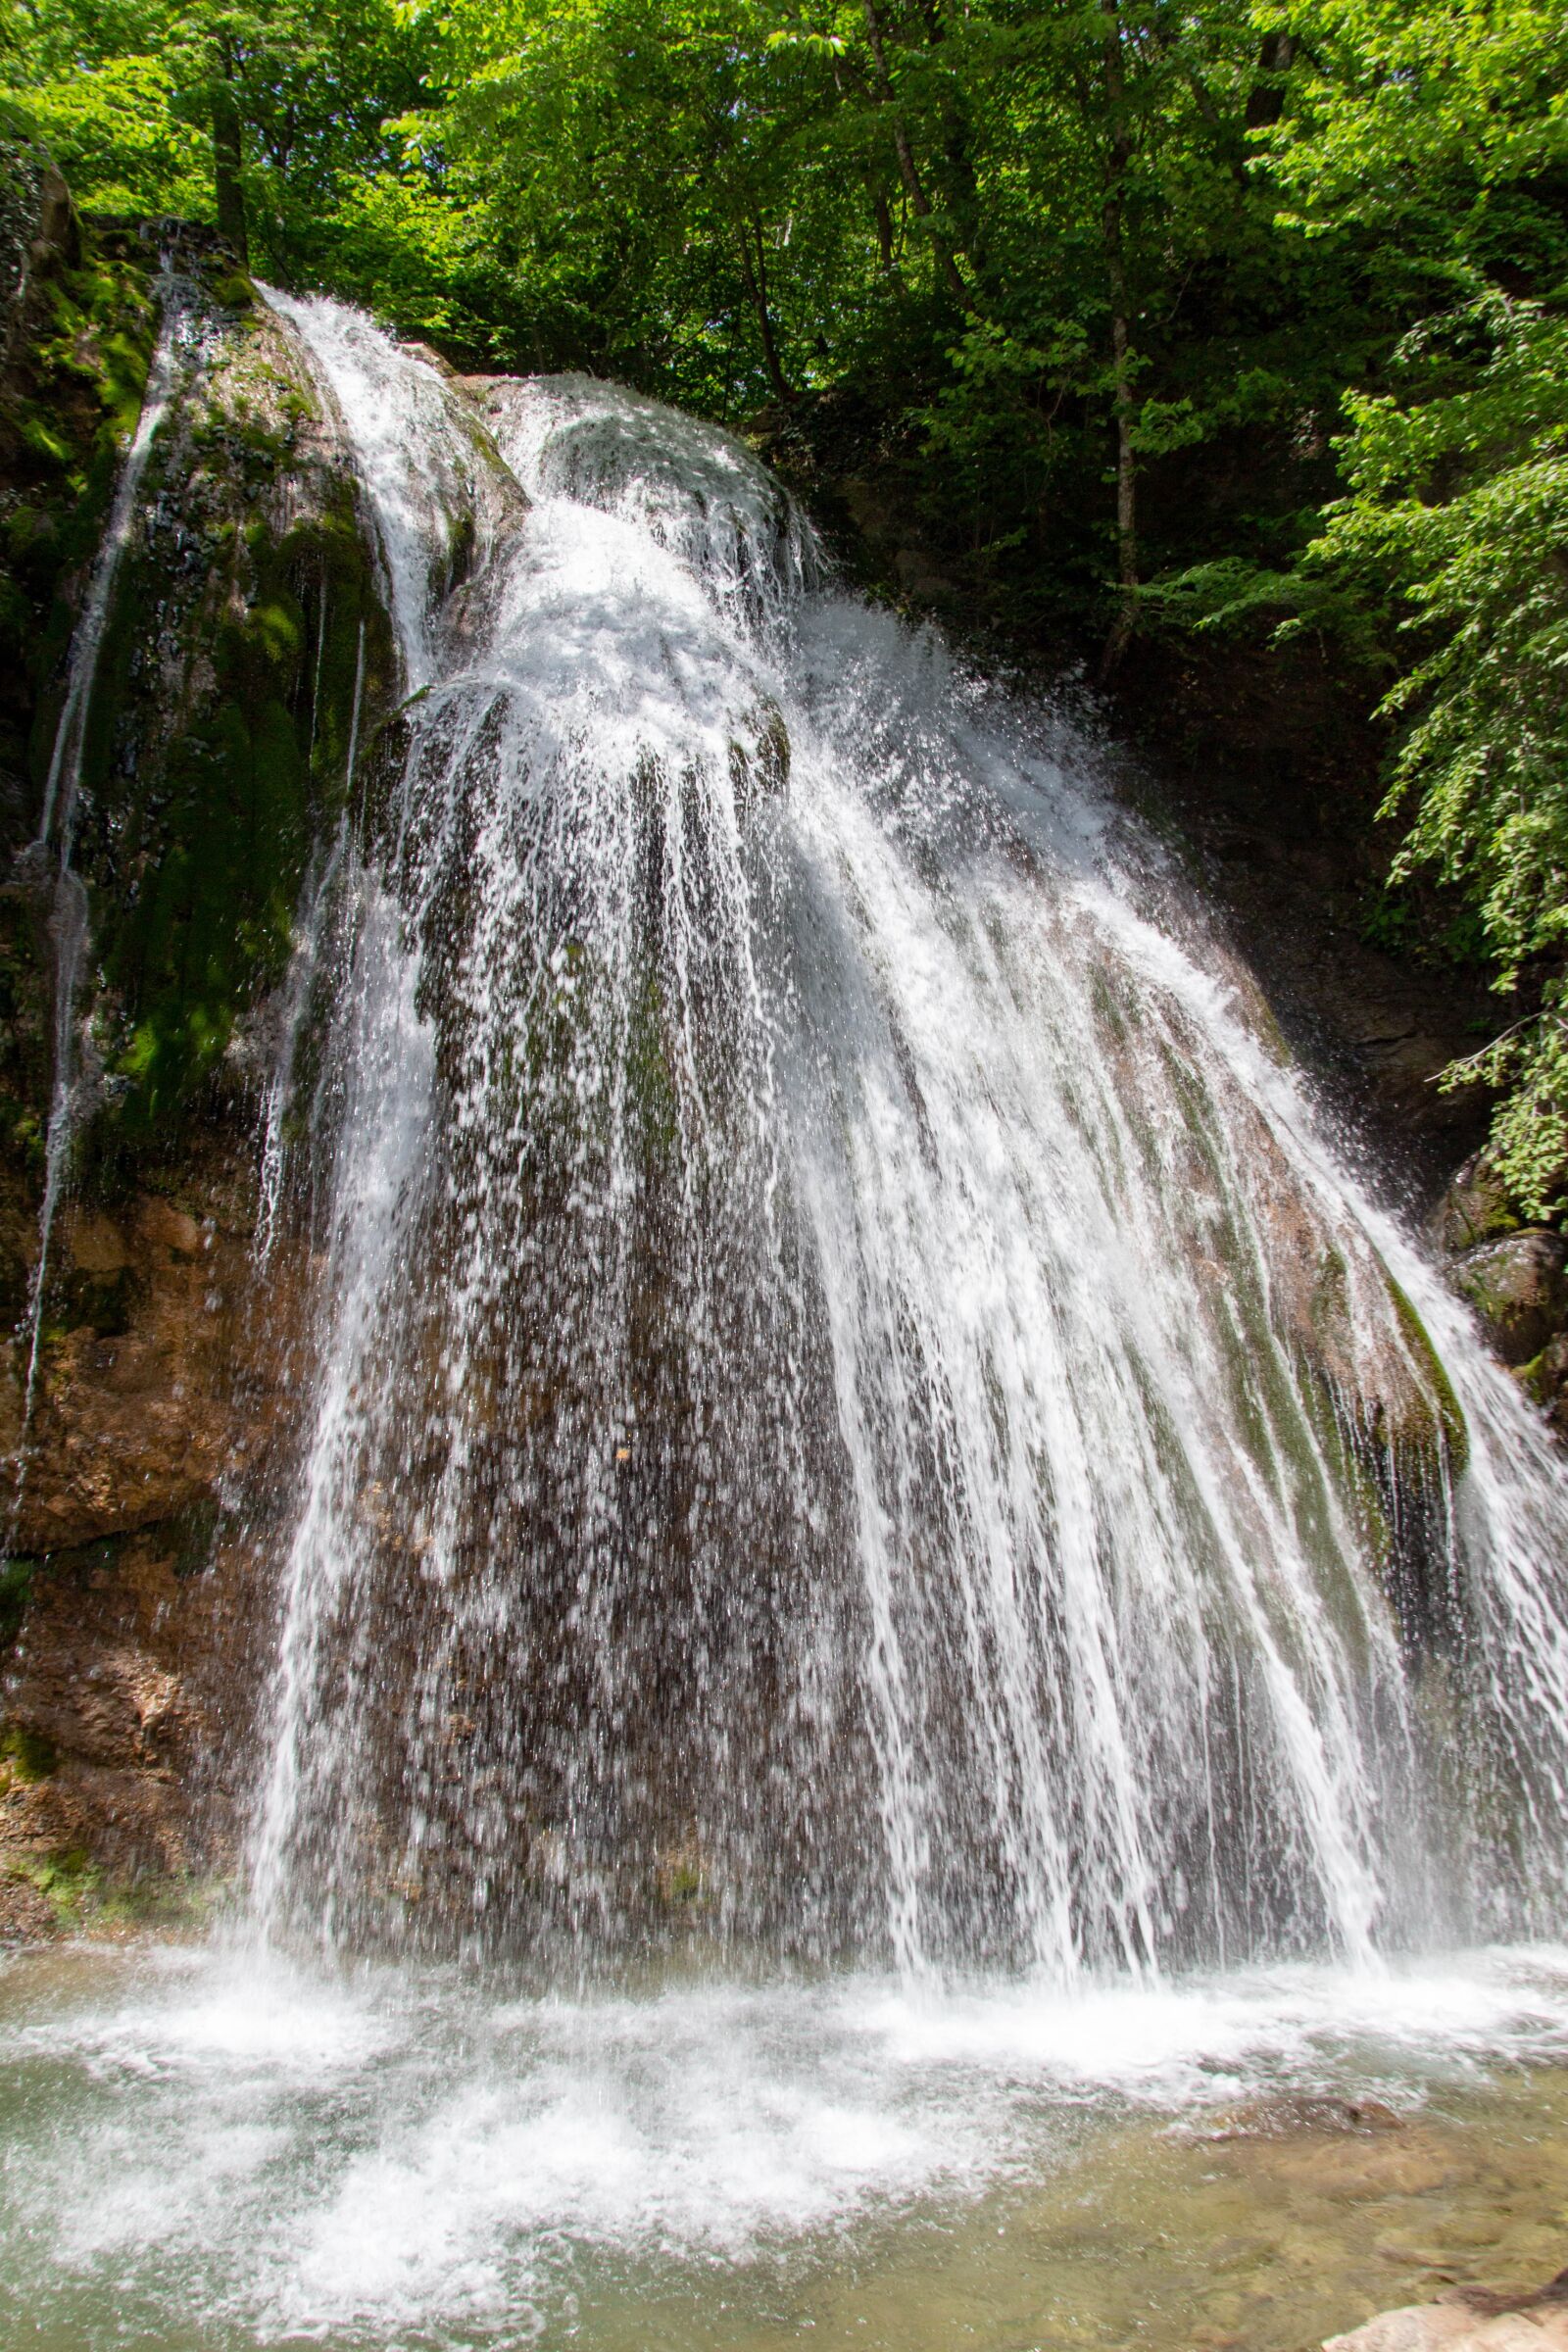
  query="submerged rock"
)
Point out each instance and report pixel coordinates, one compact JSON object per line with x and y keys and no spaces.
{"x":1295,"y":2112}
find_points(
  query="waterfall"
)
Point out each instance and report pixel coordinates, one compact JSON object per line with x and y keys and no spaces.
{"x":857,"y":1407}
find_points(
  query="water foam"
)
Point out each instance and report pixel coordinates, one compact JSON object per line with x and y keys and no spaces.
{"x":346,"y":2158}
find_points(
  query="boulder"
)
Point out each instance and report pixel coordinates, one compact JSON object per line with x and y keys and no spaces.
{"x":1468,"y":2318}
{"x":1474,"y":1209}
{"x":1518,"y":1288}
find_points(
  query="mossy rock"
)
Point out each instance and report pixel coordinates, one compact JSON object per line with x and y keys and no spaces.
{"x":1432,"y":1431}
{"x":26,"y":1757}
{"x":1475,"y":1208}
{"x":1518,"y":1285}
{"x":85,"y":1899}
{"x":244,"y":634}
{"x":245,"y":629}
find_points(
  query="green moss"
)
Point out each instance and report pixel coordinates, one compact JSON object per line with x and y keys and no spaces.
{"x":26,"y":1757}
{"x":217,"y":740}
{"x":16,"y":1586}
{"x":86,"y":1900}
{"x":201,"y":834}
{"x":68,"y":1879}
{"x":234,"y":291}
{"x":1443,"y":1425}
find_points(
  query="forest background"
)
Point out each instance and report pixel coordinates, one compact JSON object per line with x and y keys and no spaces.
{"x":1172,"y":323}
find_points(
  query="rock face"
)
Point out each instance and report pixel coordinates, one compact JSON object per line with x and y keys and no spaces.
{"x":245,"y":661}
{"x":132,"y":1431}
{"x":1518,"y":1289}
{"x":127,"y":1630}
{"x":243,"y":652}
{"x":1474,"y":1209}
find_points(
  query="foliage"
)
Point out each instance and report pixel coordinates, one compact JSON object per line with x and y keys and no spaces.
{"x":1243,"y":315}
{"x":1436,"y":138}
{"x":1459,"y":505}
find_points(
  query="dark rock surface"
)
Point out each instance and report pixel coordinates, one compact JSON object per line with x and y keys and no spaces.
{"x":244,"y":643}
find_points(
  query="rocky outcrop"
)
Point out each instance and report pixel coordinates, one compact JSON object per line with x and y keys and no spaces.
{"x":1515,"y":1278}
{"x":127,"y":1615}
{"x":244,"y":648}
{"x":1517,"y":1286}
{"x":130,"y":1426}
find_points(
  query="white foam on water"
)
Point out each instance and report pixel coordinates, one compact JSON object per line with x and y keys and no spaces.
{"x":289,"y":2152}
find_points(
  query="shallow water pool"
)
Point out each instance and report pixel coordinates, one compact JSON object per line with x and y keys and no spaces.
{"x":205,"y":2151}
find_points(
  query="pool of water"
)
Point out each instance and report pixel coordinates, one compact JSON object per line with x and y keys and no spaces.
{"x":205,"y":2151}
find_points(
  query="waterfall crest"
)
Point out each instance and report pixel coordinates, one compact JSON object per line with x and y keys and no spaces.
{"x":856,"y":1407}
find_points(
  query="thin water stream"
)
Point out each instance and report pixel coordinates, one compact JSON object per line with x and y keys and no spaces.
{"x":53,"y":850}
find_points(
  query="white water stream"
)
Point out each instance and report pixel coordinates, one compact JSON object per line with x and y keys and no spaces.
{"x":855,"y":1408}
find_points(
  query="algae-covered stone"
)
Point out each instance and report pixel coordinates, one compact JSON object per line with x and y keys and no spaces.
{"x":1433,"y":1415}
{"x":245,"y":648}
{"x":1519,"y":1288}
{"x":1475,"y":1208}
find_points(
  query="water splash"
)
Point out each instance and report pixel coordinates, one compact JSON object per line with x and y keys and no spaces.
{"x":856,"y":1406}
{"x":405,"y":2156}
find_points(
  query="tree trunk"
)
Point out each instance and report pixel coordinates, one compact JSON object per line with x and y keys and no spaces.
{"x":1121,"y":630}
{"x":755,"y":276}
{"x":1118,"y":158}
{"x":1265,"y":100}
{"x":908,"y":169}
{"x":884,"y":234}
{"x":227,"y":160}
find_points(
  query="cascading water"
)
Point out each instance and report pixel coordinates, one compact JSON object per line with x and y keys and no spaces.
{"x":855,"y":1415}
{"x":855,"y":1410}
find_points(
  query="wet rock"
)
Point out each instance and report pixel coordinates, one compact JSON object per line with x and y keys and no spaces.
{"x":431,"y":359}
{"x":1519,"y":1288}
{"x":111,"y":1731}
{"x":38,"y":228}
{"x":131,"y":1418}
{"x":761,"y":769}
{"x":1474,"y":1209}
{"x":1514,"y":1276}
{"x":1468,"y":2320}
{"x":1295,"y":2112}
{"x":26,"y":1913}
{"x":128,"y":1611}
